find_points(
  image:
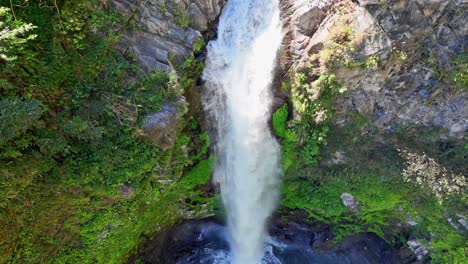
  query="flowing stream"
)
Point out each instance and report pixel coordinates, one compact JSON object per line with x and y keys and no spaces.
{"x":238,"y":74}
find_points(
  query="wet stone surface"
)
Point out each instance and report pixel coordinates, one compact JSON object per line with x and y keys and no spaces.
{"x":207,"y":242}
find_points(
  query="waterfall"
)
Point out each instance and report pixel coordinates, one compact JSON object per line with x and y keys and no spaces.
{"x":237,"y":98}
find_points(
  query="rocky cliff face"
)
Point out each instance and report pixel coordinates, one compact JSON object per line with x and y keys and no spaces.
{"x":159,"y":34}
{"x":159,"y":29}
{"x":397,"y":68}
{"x":396,"y":59}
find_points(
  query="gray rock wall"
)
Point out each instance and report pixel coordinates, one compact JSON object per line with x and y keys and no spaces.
{"x":156,"y":32}
{"x":158,"y":28}
{"x":414,"y":41}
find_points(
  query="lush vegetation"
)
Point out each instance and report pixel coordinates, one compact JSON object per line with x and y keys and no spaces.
{"x":76,"y":184}
{"x":409,"y":176}
{"x":374,"y":173}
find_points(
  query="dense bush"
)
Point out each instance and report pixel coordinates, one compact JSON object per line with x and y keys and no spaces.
{"x":423,"y":170}
{"x":70,"y":105}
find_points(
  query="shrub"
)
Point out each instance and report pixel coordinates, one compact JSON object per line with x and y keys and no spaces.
{"x":423,"y":170}
{"x":460,"y":71}
{"x":17,"y":116}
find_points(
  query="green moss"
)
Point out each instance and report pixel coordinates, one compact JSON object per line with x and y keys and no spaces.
{"x":279,"y":121}
{"x":200,"y":174}
{"x":287,"y":136}
{"x":113,"y":233}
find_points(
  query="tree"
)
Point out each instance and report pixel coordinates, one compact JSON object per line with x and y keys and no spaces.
{"x":13,"y":34}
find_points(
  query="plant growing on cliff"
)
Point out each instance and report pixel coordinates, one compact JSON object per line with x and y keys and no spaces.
{"x":69,"y":106}
{"x":287,"y":135}
{"x":459,"y":72}
{"x":188,"y":72}
{"x":198,"y":46}
{"x":338,"y":46}
{"x":423,"y":170}
{"x":313,"y":103}
{"x":181,"y":15}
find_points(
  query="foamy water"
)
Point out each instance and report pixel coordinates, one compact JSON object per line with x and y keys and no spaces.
{"x":237,"y":98}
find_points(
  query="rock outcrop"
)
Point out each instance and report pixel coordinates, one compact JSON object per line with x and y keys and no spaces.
{"x":159,"y":33}
{"x":161,"y":128}
{"x":350,"y":202}
{"x":159,"y":29}
{"x":412,"y":45}
{"x":418,"y":249}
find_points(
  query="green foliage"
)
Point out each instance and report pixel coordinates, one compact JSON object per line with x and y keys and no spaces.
{"x":17,"y":116}
{"x":382,"y":201}
{"x":181,"y":15}
{"x":459,"y":73}
{"x":280,"y":118}
{"x":456,"y":75}
{"x":339,"y":47}
{"x":198,"y":46}
{"x":13,"y":35}
{"x":69,"y":109}
{"x":311,"y":149}
{"x":371,"y":63}
{"x":372,"y":174}
{"x":313,"y":101}
{"x":204,"y":137}
{"x":313,"y":98}
{"x":287,"y":136}
{"x":189,"y":72}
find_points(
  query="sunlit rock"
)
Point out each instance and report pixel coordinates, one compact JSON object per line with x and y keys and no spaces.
{"x":350,"y":202}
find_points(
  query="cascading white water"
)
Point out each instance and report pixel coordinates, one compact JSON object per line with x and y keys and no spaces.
{"x":238,"y":75}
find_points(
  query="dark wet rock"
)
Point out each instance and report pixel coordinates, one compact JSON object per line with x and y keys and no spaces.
{"x":172,"y":244}
{"x":368,"y":248}
{"x":278,"y":102}
{"x":294,"y":243}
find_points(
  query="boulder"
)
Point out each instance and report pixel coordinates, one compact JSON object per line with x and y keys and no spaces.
{"x":161,"y":128}
{"x":204,"y":12}
{"x":126,"y":191}
{"x":350,"y":202}
{"x":418,"y":248}
{"x":301,"y":19}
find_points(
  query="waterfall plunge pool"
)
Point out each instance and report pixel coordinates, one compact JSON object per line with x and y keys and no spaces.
{"x":206,"y":241}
